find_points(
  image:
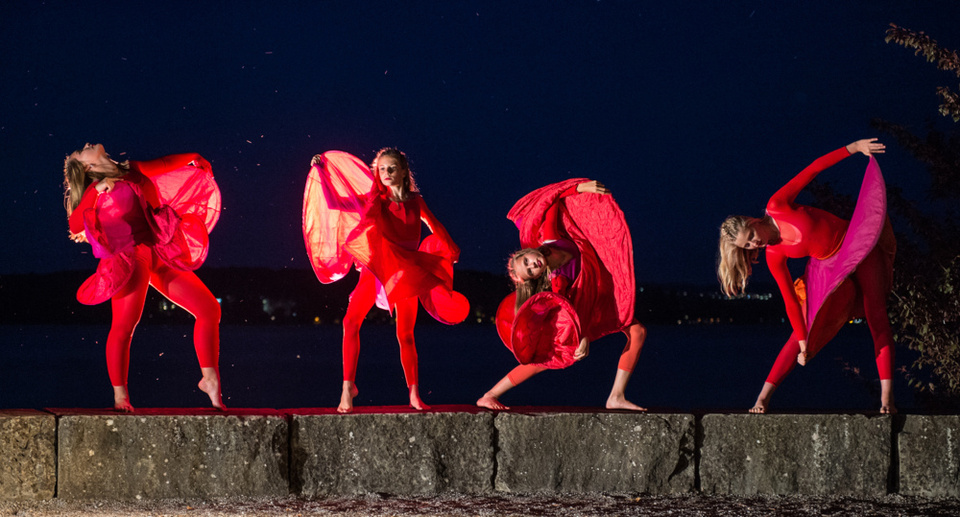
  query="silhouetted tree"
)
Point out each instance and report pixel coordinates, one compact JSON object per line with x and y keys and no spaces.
{"x":926,"y":308}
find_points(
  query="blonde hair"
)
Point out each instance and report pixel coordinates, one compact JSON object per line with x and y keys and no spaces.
{"x":531,"y":286}
{"x":77,"y":176}
{"x":734,"y":264}
{"x":409,"y":185}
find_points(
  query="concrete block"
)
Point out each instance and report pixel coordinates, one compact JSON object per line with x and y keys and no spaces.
{"x":160,"y":454}
{"x":395,"y":452}
{"x":28,"y":455}
{"x":929,"y":447}
{"x":595,"y":452}
{"x":795,"y":454}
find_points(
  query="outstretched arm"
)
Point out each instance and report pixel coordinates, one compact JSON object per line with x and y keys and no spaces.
{"x":331,"y":194}
{"x":789,"y":192}
{"x":174,"y":161}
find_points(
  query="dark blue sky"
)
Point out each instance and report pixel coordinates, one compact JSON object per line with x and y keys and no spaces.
{"x":688,"y":112}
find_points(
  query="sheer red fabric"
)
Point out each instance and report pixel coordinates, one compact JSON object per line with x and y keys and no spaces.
{"x":348,"y":219}
{"x":116,"y":221}
{"x":333,"y":202}
{"x":601,"y":298}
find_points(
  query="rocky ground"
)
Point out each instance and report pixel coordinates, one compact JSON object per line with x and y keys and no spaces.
{"x":501,"y":505}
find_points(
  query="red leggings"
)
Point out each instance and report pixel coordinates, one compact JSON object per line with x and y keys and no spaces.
{"x":361,"y":301}
{"x":869,"y":279}
{"x":182,"y":288}
{"x":636,"y":334}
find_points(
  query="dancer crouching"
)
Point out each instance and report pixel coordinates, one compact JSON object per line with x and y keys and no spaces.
{"x":574,"y":284}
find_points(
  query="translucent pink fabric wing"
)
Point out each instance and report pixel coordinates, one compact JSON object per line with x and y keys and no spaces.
{"x":189,"y":190}
{"x":112,"y":274}
{"x":333,"y":202}
{"x":824,"y":277}
{"x":546,"y":332}
{"x":442,"y":302}
{"x":188,"y":244}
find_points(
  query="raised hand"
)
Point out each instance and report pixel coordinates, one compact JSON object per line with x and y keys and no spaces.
{"x":592,"y":187}
{"x":867,"y":146}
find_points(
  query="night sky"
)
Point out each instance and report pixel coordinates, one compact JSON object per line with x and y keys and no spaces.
{"x":689,"y":112}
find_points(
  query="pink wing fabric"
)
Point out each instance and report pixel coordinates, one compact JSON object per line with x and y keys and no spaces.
{"x":189,"y":189}
{"x":442,"y":302}
{"x":333,"y":204}
{"x":181,"y":243}
{"x":832,"y":298}
{"x":601,"y":297}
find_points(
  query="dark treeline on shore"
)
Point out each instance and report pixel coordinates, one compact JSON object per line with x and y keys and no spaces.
{"x":294,"y":296}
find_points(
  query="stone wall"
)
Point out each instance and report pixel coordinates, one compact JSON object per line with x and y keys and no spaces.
{"x":160,"y":454}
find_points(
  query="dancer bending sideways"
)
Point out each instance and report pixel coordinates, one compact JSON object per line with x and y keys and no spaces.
{"x":146,"y":230}
{"x":849,"y":274}
{"x":372,"y":219}
{"x":574,"y":284}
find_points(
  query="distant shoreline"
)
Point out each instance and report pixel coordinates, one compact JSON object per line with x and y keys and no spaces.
{"x":295,"y":296}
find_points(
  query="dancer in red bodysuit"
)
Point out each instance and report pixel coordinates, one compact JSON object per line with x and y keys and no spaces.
{"x":574,"y":283}
{"x":849,"y":274}
{"x":146,"y":232}
{"x":352,"y":216}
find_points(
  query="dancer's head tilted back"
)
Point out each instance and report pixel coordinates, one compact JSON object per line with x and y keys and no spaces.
{"x":83,"y":167}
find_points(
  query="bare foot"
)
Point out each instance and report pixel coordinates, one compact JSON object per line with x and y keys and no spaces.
{"x":211,"y":386}
{"x":346,"y":397}
{"x":888,"y":410}
{"x":620,"y":402}
{"x":490,"y":402}
{"x":121,"y":400}
{"x":415,"y":401}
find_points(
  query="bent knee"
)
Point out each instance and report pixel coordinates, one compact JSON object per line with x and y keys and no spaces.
{"x":209,"y":311}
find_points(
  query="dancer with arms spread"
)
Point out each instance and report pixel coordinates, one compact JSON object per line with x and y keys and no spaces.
{"x":849,"y":272}
{"x":353,"y":216}
{"x":148,"y":223}
{"x":574,"y":284}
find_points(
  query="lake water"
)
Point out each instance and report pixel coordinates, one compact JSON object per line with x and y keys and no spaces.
{"x":682,"y":368}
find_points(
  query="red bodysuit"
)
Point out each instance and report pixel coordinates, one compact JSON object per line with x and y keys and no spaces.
{"x":141,"y":242}
{"x":862,"y":251}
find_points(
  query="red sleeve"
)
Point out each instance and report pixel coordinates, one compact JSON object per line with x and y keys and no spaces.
{"x":550,"y":230}
{"x":86,"y":202}
{"x":559,"y":285}
{"x":173,"y":161}
{"x":789,"y":192}
{"x":777,"y":263}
